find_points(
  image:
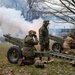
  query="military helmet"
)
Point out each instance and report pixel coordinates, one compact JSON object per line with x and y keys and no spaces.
{"x":46,"y":21}
{"x":32,"y":32}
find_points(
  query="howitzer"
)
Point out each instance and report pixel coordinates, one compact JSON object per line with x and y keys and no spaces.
{"x":15,"y":52}
{"x":58,"y":44}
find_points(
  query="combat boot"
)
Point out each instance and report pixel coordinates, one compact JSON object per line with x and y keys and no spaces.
{"x":20,"y":61}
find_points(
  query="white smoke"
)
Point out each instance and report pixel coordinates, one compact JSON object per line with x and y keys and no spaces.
{"x":11,"y":22}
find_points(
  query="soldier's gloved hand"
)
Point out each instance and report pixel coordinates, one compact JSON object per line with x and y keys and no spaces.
{"x":35,"y":36}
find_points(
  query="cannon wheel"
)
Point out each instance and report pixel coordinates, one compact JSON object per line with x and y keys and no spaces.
{"x":57,"y":47}
{"x":13,"y":54}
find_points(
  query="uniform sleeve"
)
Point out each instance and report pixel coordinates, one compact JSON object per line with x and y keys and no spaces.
{"x":31,"y":41}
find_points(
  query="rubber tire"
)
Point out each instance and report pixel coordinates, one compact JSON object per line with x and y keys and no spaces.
{"x":19,"y":52}
{"x":53,"y":47}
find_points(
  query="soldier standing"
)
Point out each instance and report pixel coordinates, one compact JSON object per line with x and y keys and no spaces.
{"x":44,"y":38}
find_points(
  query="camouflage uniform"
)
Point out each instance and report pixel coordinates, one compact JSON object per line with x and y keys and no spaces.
{"x":28,"y":50}
{"x":44,"y":37}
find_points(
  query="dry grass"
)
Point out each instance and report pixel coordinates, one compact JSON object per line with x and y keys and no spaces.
{"x":58,"y":67}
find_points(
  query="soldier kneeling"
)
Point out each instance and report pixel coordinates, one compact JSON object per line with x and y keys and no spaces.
{"x":28,"y":50}
{"x":67,"y":43}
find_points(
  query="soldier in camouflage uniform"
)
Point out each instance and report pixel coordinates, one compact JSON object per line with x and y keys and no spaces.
{"x":28,"y":50}
{"x":44,"y":37}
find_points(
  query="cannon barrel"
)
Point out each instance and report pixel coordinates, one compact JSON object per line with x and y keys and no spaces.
{"x":13,"y":40}
{"x":19,"y":42}
{"x":55,"y":38}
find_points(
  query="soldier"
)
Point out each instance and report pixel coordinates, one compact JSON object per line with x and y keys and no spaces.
{"x":44,"y":38}
{"x":29,"y":42}
{"x":28,"y":50}
{"x":67,"y":43}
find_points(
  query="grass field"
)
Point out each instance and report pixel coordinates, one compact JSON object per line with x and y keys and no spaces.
{"x":58,"y":67}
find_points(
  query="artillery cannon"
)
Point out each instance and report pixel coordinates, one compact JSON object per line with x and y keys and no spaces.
{"x":57,"y":45}
{"x":15,"y":52}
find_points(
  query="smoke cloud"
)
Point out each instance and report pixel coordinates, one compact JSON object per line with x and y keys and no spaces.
{"x":11,"y":22}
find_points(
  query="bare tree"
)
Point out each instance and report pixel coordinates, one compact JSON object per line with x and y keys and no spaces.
{"x":66,"y":8}
{"x":70,"y":5}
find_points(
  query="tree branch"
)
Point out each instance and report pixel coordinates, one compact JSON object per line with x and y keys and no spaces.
{"x":67,"y":7}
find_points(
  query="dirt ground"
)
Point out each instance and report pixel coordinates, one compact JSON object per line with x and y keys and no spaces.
{"x":58,"y":67}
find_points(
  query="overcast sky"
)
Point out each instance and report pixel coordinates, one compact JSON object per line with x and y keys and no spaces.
{"x":52,"y":25}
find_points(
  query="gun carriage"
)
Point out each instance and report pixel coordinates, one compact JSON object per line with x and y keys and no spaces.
{"x":15,"y":52}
